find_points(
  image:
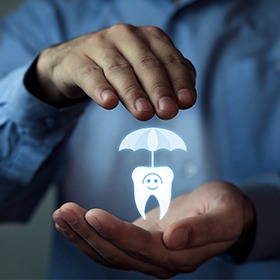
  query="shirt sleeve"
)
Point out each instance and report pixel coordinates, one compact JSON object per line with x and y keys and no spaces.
{"x":264,"y":192}
{"x":29,"y":132}
{"x":264,"y":240}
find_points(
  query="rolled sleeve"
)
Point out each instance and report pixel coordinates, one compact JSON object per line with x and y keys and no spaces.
{"x":30,"y":130}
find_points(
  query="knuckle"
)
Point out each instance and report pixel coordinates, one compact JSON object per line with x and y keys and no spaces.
{"x":131,"y":92}
{"x":87,"y":39}
{"x":143,"y":254}
{"x":191,"y":67}
{"x":147,"y":61}
{"x":175,"y":59}
{"x":110,"y":233}
{"x":71,"y":235}
{"x":118,"y":65}
{"x":87,"y":71}
{"x":85,"y":233}
{"x":159,"y":34}
{"x":156,"y":31}
{"x":158,"y":88}
{"x":96,"y":38}
{"x":122,"y":28}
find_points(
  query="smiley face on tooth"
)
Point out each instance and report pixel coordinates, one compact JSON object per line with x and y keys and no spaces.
{"x":152,"y":181}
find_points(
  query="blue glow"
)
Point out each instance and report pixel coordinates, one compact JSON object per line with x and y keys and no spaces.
{"x":156,"y":181}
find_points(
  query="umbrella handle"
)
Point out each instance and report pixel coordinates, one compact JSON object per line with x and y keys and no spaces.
{"x":153,"y":158}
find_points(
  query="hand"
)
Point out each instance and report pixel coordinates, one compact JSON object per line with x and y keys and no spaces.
{"x":139,"y":66}
{"x":197,"y":227}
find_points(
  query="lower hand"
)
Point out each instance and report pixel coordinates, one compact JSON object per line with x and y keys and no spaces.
{"x":197,"y":227}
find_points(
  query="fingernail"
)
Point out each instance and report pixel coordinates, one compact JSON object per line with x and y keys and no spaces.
{"x":167,"y":104}
{"x":142,"y":104}
{"x":60,"y":228}
{"x":179,"y":238}
{"x":186,"y":96}
{"x":94,"y":222}
{"x":107,"y":95}
{"x":68,"y":217}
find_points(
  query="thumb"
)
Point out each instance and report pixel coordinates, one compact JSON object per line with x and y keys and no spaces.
{"x":202,"y":230}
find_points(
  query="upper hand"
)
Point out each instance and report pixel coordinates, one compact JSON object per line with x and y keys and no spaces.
{"x":138,"y":66}
{"x":197,"y":227}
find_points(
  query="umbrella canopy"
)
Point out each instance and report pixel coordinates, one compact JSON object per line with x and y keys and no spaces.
{"x":152,"y":139}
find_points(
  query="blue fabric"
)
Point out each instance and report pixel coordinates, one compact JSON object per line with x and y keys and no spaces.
{"x":232,"y":133}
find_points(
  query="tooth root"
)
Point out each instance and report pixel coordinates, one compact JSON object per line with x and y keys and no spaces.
{"x":141,"y":201}
{"x":163,"y":199}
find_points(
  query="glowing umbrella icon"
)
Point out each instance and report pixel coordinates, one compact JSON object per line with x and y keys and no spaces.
{"x":152,"y":139}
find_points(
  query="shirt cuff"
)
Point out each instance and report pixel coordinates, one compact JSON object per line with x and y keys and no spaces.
{"x":36,"y":127}
{"x":265,"y":195}
{"x":25,"y":109}
{"x":263,"y":242}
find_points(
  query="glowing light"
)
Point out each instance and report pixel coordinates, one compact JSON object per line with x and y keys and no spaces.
{"x":156,"y":181}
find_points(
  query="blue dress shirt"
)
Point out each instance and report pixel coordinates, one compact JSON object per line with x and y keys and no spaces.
{"x":232,"y":133}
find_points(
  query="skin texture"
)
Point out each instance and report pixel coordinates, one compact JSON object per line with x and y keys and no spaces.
{"x":198,"y":226}
{"x":138,"y":66}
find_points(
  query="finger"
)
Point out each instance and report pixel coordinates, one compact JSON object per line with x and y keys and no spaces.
{"x":148,"y":246}
{"x":117,"y":232}
{"x":181,"y":72}
{"x":102,"y":251}
{"x":179,"y":261}
{"x":201,"y":230}
{"x":89,"y":77}
{"x":65,"y":219}
{"x":59,"y":222}
{"x":121,"y":75}
{"x":150,"y":72}
{"x":121,"y":236}
{"x":119,"y":72}
{"x":182,"y":79}
{"x":136,"y":74}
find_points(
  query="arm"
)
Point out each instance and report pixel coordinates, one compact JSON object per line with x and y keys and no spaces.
{"x":30,"y":133}
{"x":29,"y":129}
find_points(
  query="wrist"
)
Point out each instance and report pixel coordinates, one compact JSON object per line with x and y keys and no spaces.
{"x":240,"y":250}
{"x":249,"y":220}
{"x":43,"y":89}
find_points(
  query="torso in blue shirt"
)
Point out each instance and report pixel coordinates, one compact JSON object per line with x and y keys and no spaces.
{"x":232,"y":132}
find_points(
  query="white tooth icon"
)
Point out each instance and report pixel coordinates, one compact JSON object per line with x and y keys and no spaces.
{"x":156,"y":181}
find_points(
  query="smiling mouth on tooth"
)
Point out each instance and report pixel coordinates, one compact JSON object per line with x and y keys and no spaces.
{"x":152,"y":188}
